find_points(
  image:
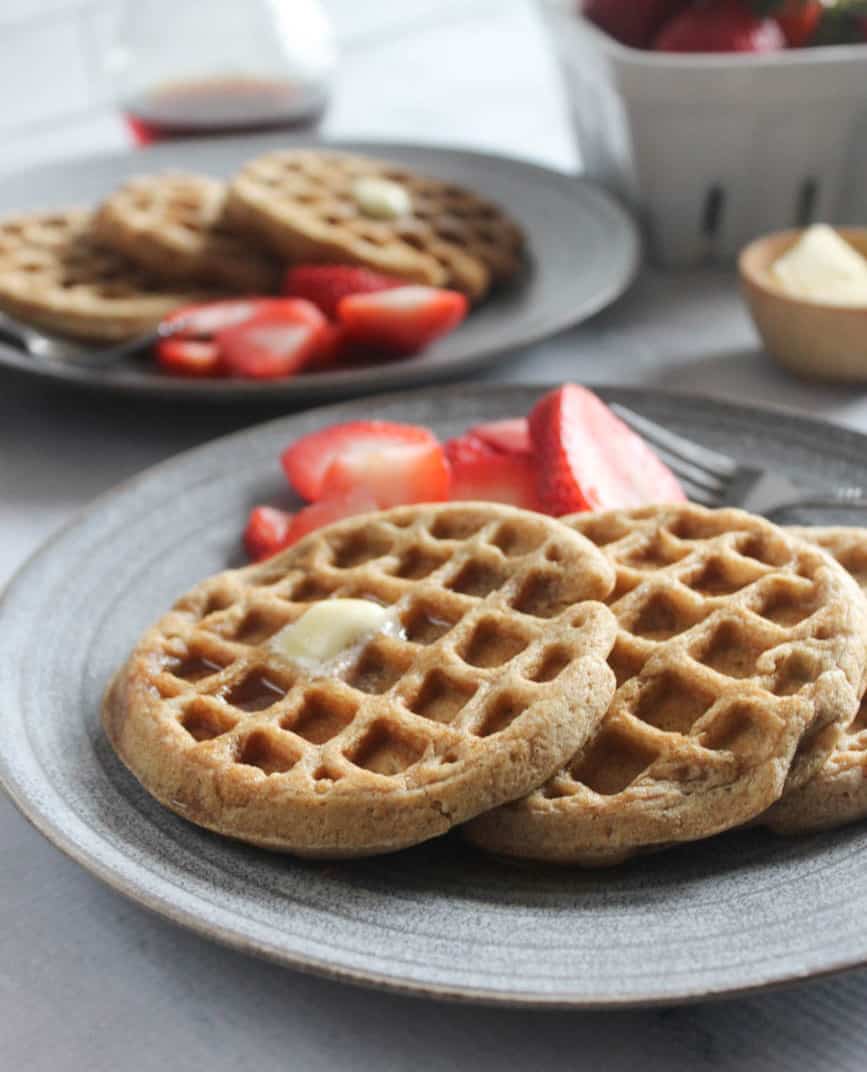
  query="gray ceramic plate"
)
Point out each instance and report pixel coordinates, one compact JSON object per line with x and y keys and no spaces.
{"x":736,"y":913}
{"x":583,"y":255}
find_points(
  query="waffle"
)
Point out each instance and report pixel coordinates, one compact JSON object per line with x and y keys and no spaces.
{"x":55,"y":276}
{"x":172,"y":226}
{"x":500,"y":674}
{"x":301,"y":204}
{"x":837,"y":794}
{"x":739,"y":659}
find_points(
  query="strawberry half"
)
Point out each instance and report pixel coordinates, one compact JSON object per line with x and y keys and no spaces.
{"x":393,"y":476}
{"x":588,"y":459}
{"x":327,"y":284}
{"x":189,"y":357}
{"x":308,"y":460}
{"x":334,"y":508}
{"x":403,"y":320}
{"x":267,"y":532}
{"x":481,"y":472}
{"x":511,"y":436}
{"x":275,"y":343}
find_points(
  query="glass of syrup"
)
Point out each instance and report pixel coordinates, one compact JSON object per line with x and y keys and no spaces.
{"x":186,"y":68}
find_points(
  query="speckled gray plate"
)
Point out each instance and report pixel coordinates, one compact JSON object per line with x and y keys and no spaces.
{"x":739,"y":912}
{"x":584,"y":253}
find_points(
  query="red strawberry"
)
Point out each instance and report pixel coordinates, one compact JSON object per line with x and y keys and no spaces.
{"x":798,"y":19}
{"x":394,"y":476}
{"x":308,"y":460}
{"x":205,"y":319}
{"x":267,"y":532}
{"x":276,"y":342}
{"x":326,"y":284}
{"x":587,"y":459}
{"x":324,"y":512}
{"x":403,"y":320}
{"x":720,"y":26}
{"x":511,"y":436}
{"x":631,"y":22}
{"x":189,"y":357}
{"x":481,"y":472}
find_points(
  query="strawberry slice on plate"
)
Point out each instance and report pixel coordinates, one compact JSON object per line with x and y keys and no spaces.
{"x":402,"y":320}
{"x":189,"y":357}
{"x":511,"y":436}
{"x":308,"y":460}
{"x":482,"y":472}
{"x":588,"y":459}
{"x":276,"y":342}
{"x":327,"y":284}
{"x":267,"y":532}
{"x":334,"y":508}
{"x":205,"y":319}
{"x":393,"y":476}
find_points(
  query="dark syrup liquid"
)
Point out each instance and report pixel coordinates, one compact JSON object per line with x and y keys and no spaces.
{"x":222,"y":106}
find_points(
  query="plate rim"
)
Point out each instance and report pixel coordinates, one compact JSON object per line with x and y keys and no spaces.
{"x":379,"y":378}
{"x":40,"y":818}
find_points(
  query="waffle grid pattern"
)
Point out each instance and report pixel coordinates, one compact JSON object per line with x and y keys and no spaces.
{"x":172,"y":225}
{"x":736,"y":644}
{"x":301,"y":203}
{"x":54,"y":275}
{"x":500,"y":649}
{"x":837,"y":794}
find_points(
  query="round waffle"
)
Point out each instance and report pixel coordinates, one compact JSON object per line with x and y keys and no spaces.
{"x":739,"y":659}
{"x":499,"y":674}
{"x":54,"y":275}
{"x":301,"y":203}
{"x":172,"y":225}
{"x":837,"y":794}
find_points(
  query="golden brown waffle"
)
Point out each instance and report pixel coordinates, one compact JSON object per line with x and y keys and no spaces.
{"x":301,"y":203}
{"x":837,"y":794}
{"x":172,"y":226}
{"x":54,"y":275}
{"x":500,"y":675}
{"x":739,"y":660}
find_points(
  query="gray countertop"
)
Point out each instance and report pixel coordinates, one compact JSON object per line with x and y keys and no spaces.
{"x":89,"y":980}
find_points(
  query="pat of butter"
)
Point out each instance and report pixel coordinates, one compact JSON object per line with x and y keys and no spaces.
{"x":333,"y":630}
{"x":381,"y":199}
{"x":822,"y":266}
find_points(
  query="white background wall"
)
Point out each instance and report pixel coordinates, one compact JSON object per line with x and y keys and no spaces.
{"x":55,"y":103}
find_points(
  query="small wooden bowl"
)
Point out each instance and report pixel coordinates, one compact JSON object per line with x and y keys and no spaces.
{"x":810,"y":338}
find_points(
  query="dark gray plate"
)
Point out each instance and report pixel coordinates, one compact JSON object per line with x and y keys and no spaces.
{"x":735,"y":913}
{"x":583,"y":254}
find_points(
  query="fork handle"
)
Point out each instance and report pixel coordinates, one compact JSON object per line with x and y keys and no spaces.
{"x":847,"y":498}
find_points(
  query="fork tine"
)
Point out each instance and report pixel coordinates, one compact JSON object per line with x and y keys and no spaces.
{"x":720,"y":465}
{"x":686,"y":471}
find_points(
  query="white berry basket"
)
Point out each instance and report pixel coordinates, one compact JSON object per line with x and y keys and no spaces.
{"x":712,"y":150}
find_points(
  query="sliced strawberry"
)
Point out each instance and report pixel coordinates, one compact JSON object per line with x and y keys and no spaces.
{"x":189,"y":357}
{"x":334,"y":508}
{"x":326,"y":284}
{"x":267,"y":532}
{"x":308,"y":459}
{"x":394,"y":476}
{"x":275,"y":343}
{"x":403,"y":320}
{"x":204,"y":320}
{"x":481,"y":472}
{"x":511,"y":436}
{"x":587,"y":459}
